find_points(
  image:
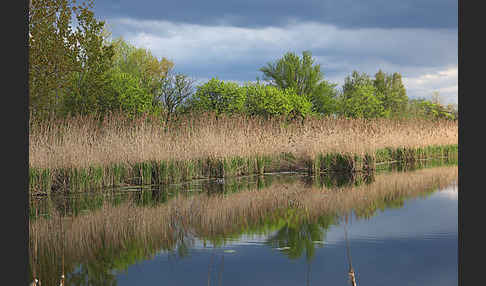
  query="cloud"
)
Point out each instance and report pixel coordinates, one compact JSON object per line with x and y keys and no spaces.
{"x":426,"y":58}
{"x":258,"y":14}
{"x":443,"y":81}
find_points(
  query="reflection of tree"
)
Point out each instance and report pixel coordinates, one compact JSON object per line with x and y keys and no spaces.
{"x":183,"y":247}
{"x":93,"y":272}
{"x":300,"y":235}
{"x":340,"y":179}
{"x":370,"y":210}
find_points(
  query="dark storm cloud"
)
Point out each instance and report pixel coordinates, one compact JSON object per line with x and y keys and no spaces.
{"x":258,"y":13}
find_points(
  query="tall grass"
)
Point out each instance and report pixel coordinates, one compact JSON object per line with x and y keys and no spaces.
{"x":84,"y":141}
{"x":145,"y":150}
{"x":109,"y":232}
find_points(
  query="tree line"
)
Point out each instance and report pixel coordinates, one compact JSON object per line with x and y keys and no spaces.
{"x":75,"y":69}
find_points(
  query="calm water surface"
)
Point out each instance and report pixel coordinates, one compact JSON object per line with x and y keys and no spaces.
{"x":412,"y":245}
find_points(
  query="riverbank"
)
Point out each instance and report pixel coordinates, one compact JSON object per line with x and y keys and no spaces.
{"x":83,"y":153}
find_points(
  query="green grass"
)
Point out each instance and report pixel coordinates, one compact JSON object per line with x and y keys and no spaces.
{"x":176,"y":171}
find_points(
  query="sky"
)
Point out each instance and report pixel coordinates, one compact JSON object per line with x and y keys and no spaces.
{"x":232,"y":40}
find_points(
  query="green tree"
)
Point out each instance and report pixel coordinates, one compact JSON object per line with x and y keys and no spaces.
{"x":126,"y":94}
{"x":90,"y":83}
{"x":303,"y":76}
{"x":294,"y":72}
{"x":219,"y":96}
{"x":391,"y":91}
{"x":267,"y":100}
{"x":353,"y":82}
{"x":423,"y":108}
{"x":57,"y":50}
{"x":140,"y":63}
{"x":359,"y":99}
{"x":324,"y":98}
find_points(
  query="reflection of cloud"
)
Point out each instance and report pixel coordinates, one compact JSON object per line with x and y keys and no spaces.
{"x":426,"y":58}
{"x":449,"y":193}
{"x":243,"y":240}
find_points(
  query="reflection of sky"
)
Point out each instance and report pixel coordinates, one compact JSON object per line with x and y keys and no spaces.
{"x":413,"y":245}
{"x":414,"y":220}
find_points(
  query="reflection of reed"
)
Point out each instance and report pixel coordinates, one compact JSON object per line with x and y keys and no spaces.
{"x":211,"y":263}
{"x":33,"y":254}
{"x":104,"y":235}
{"x":351,"y":273}
{"x":221,"y":271}
{"x":63,"y":242}
{"x":308,"y":272}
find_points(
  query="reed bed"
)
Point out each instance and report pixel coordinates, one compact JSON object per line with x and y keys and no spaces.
{"x":108,"y":233}
{"x":83,"y":152}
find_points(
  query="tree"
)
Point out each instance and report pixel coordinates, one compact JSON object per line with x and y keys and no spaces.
{"x":293,"y":72}
{"x":429,"y":109}
{"x":357,"y":80}
{"x":324,"y":98}
{"x":126,"y":94}
{"x":90,"y":83}
{"x":219,"y":96}
{"x":56,"y":50}
{"x":174,"y":90}
{"x":391,"y":91}
{"x":140,"y":63}
{"x":304,"y":77}
{"x":358,"y":98}
{"x":267,"y":100}
{"x":362,"y":103}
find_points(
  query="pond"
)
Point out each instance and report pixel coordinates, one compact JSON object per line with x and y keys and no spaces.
{"x":393,"y":227}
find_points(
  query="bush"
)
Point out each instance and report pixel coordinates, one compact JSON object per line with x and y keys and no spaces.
{"x":270,"y":101}
{"x":219,"y":96}
{"x":126,"y":94}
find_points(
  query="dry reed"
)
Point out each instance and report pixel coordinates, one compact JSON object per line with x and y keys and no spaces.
{"x":83,"y":141}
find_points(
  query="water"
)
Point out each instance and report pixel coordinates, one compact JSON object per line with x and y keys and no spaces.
{"x":407,"y":240}
{"x":413,"y":245}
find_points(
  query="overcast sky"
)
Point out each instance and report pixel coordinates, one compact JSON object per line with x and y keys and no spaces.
{"x":231,"y":40}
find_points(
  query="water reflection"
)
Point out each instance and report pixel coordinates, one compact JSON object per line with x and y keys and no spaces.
{"x":298,"y":236}
{"x":293,"y":216}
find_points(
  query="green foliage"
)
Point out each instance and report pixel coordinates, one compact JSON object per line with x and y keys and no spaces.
{"x":426,"y":109}
{"x":324,"y":98}
{"x":267,"y":100}
{"x":300,"y":106}
{"x":141,"y":64}
{"x":56,"y":51}
{"x":293,"y":72}
{"x":126,"y":93}
{"x":219,"y":96}
{"x":359,"y":98}
{"x":391,"y":91}
{"x":304,"y":77}
{"x":90,"y":83}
